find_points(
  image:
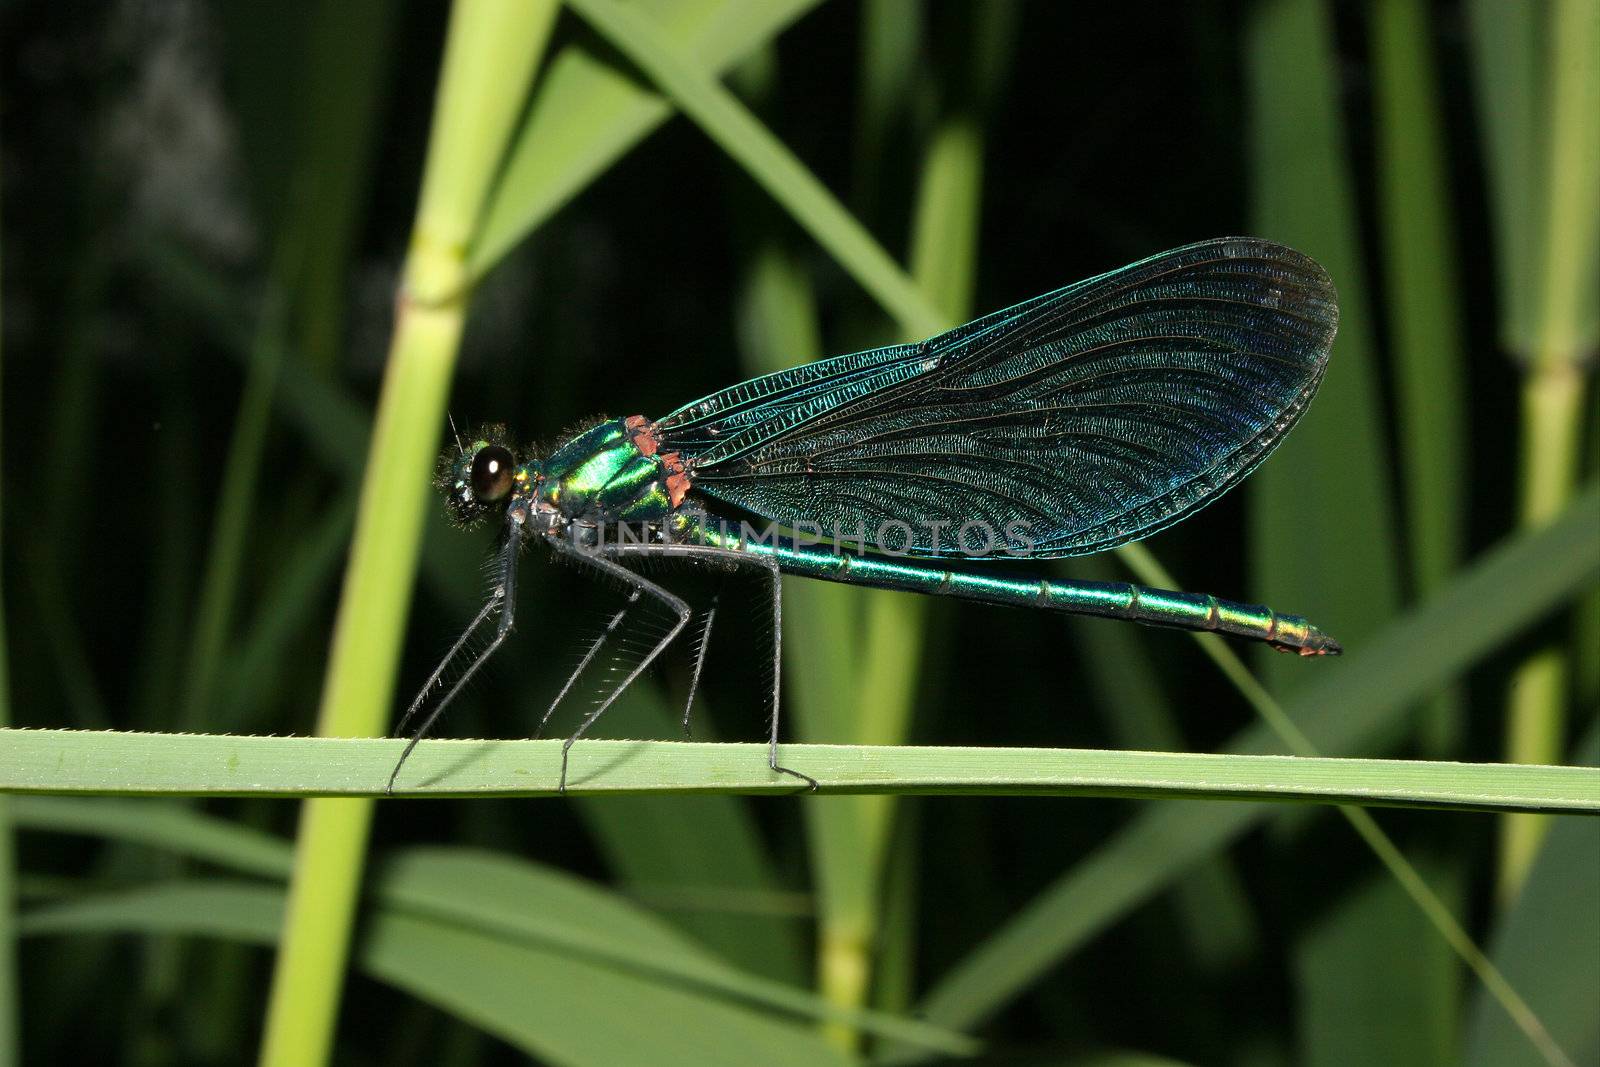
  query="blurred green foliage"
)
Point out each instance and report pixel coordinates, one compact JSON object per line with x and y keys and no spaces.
{"x":206,"y":209}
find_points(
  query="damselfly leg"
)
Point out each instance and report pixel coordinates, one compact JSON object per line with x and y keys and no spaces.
{"x":502,"y":598}
{"x":637,"y":585}
{"x":738,"y":559}
{"x":588,"y":657}
{"x":700,"y":648}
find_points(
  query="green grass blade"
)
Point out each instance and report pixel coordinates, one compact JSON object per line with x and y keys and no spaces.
{"x":516,"y":899}
{"x":563,"y":1009}
{"x":895,"y":975}
{"x":1569,"y":308}
{"x":1586,"y":632}
{"x":586,"y":114}
{"x":767,"y":159}
{"x":486,"y":891}
{"x":113,"y":762}
{"x":1425,"y":315}
{"x":1320,"y":510}
{"x":888,"y":66}
{"x":566,"y":1010}
{"x":179,"y":830}
{"x":1361,"y":701}
{"x":1505,"y":45}
{"x":944,"y":231}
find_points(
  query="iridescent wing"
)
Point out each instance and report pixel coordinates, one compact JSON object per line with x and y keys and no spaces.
{"x":1071,"y":423}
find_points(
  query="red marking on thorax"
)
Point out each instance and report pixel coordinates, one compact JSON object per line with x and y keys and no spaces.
{"x":678,"y":480}
{"x":643,"y":433}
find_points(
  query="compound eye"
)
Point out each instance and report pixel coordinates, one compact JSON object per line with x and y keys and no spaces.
{"x":492,"y":473}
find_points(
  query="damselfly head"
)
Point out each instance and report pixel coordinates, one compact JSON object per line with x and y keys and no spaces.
{"x":477,"y":475}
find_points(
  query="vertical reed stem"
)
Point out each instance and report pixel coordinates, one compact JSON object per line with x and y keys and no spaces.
{"x":1554,"y":389}
{"x":490,"y":55}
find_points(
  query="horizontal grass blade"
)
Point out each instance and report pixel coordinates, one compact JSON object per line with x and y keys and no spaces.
{"x":169,"y":827}
{"x":498,"y":894}
{"x":84,"y":761}
{"x":511,"y":898}
{"x":563,"y":1009}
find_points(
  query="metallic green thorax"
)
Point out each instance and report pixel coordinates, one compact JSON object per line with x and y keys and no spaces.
{"x":599,"y":476}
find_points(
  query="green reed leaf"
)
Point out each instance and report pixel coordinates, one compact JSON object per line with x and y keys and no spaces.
{"x":113,"y":762}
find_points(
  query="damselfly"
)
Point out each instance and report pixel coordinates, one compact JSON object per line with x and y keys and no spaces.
{"x":1071,"y":423}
